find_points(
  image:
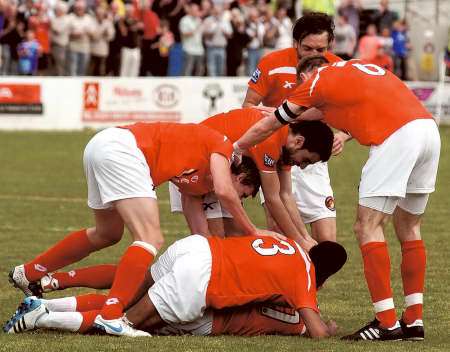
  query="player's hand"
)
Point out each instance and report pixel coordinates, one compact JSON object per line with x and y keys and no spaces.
{"x":266,"y":110}
{"x":338,"y":143}
{"x":268,"y":233}
{"x":236,"y":156}
{"x":332,"y":327}
{"x":307,"y":242}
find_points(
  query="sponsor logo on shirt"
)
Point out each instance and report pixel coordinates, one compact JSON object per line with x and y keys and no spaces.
{"x":268,"y":160}
{"x":255,"y":75}
{"x":288,"y":85}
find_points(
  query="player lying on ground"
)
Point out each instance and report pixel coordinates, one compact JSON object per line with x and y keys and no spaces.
{"x":198,"y":273}
{"x":123,"y":166}
{"x":379,"y":111}
{"x":274,"y":79}
{"x":301,"y":144}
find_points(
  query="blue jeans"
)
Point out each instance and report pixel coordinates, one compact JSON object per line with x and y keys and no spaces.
{"x":215,"y":61}
{"x":193,"y":65}
{"x":175,"y":60}
{"x":78,"y":63}
{"x":254,"y":55}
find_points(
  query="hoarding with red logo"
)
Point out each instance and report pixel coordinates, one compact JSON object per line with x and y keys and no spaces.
{"x":20,"y":98}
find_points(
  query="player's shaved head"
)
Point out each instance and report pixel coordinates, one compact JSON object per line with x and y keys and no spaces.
{"x":250,"y":171}
{"x":310,"y":63}
{"x":328,"y":258}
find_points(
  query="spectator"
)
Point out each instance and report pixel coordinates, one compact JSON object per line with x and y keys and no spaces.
{"x":149,"y":53}
{"x":103,"y":32}
{"x":29,"y":51}
{"x":237,"y":42}
{"x":163,"y":45}
{"x":270,"y":30}
{"x":130,"y":29}
{"x":205,"y":8}
{"x":80,"y":30}
{"x":191,"y":37}
{"x":350,"y":9}
{"x":383,"y":59}
{"x":10,"y":37}
{"x":384,"y":17}
{"x":255,"y":30}
{"x":115,"y":45}
{"x":39,"y":22}
{"x":324,"y":6}
{"x":217,"y":30}
{"x":284,"y":39}
{"x":400,"y":49}
{"x":387,"y":41}
{"x":368,"y":44}
{"x":59,"y":26}
{"x":344,"y":38}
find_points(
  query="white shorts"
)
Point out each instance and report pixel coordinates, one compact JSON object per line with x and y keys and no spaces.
{"x":115,"y":168}
{"x":211,"y":204}
{"x":312,"y":192}
{"x":406,"y":162}
{"x":181,"y":276}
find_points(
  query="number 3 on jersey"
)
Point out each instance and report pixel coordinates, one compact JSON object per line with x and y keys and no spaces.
{"x":275,"y":249}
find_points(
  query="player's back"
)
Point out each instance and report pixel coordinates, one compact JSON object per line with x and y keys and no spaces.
{"x":257,"y":319}
{"x":177,"y":150}
{"x":258,"y":269}
{"x":362,"y":99}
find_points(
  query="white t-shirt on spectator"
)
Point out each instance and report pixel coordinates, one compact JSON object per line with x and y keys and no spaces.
{"x":284,"y":34}
{"x":83,"y":25}
{"x":216,"y":31}
{"x":192,"y":44}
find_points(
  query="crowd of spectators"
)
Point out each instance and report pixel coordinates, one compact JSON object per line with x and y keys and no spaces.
{"x":178,"y":37}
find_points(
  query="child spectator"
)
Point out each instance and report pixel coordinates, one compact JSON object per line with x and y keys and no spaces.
{"x":368,"y":45}
{"x":29,"y":51}
{"x":163,"y":44}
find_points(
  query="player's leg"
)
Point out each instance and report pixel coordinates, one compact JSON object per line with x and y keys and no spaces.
{"x":314,"y":197}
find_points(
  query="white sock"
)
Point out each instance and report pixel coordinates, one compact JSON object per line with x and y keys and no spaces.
{"x":65,"y":304}
{"x":68,"y":321}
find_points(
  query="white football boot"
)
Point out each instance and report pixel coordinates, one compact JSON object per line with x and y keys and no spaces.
{"x":26,"y":316}
{"x":118,"y":327}
{"x":18,"y":279}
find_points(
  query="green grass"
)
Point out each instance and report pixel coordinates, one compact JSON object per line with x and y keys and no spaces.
{"x":42,"y":197}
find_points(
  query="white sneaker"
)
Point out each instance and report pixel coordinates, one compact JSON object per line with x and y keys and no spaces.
{"x":48,"y":283}
{"x":26,"y":316}
{"x":117,"y":327}
{"x":18,"y":279}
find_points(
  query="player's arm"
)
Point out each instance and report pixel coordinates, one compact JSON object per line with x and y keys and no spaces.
{"x":315,"y":326}
{"x":194,"y":214}
{"x":338,"y":143}
{"x":306,"y":241}
{"x":252,"y":98}
{"x":284,"y":114}
{"x":227,"y":195}
{"x":271,"y":187}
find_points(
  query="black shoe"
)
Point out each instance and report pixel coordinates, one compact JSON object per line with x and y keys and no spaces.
{"x":414,"y":331}
{"x":374,"y":332}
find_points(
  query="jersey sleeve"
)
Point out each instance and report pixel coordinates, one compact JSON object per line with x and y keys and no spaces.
{"x":259,"y":81}
{"x":265,"y":155}
{"x":309,"y":93}
{"x":218,"y":143}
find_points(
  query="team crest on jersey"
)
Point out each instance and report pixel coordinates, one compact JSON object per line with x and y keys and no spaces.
{"x":255,"y":75}
{"x":268,"y":160}
{"x":329,"y":203}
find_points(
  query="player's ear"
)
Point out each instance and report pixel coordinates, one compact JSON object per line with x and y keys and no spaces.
{"x":303,"y":77}
{"x":299,"y":141}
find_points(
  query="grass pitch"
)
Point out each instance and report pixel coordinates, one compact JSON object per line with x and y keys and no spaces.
{"x":42,"y":197}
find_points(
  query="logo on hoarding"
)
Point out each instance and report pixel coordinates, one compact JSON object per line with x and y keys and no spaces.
{"x":166,"y":96}
{"x":423,"y":93}
{"x":91,"y":95}
{"x":20,"y":99}
{"x":212,"y":92}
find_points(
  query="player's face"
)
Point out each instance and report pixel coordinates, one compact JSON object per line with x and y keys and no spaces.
{"x":313,"y":44}
{"x":242,"y":190}
{"x":304,"y":157}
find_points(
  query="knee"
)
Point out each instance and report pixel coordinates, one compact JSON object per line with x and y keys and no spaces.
{"x":105,"y":238}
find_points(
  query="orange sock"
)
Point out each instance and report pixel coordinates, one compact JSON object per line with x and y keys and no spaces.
{"x":71,"y":249}
{"x":377,"y":270}
{"x":413,"y":275}
{"x":88,"y":320}
{"x":91,"y":301}
{"x":129,"y":277}
{"x":98,"y":277}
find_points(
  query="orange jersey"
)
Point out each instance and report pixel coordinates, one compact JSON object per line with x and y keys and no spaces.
{"x":275,"y":77}
{"x":254,"y":269}
{"x":361,"y":99}
{"x":180,"y":153}
{"x":235,"y":123}
{"x":252,"y":320}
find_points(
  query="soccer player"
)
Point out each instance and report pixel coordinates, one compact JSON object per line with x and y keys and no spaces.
{"x":123,"y":166}
{"x":222,"y":274}
{"x":379,"y":111}
{"x":274,"y":79}
{"x":300,"y":144}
